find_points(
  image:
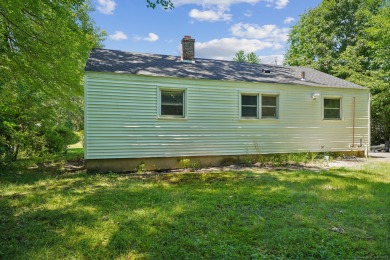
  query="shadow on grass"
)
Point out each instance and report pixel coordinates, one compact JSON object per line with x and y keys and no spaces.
{"x":288,"y":214}
{"x":239,"y":215}
{"x":34,"y":234}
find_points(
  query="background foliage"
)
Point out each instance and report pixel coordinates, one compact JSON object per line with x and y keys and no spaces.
{"x":43,"y":49}
{"x":44,"y":46}
{"x":251,"y":57}
{"x":349,"y":39}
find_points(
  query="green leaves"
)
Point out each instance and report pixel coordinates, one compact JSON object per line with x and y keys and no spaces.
{"x":46,"y":42}
{"x":44,"y":46}
{"x":166,"y":4}
{"x":240,"y":56}
{"x":251,"y":57}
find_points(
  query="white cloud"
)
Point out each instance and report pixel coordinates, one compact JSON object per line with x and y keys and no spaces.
{"x":210,"y":15}
{"x":288,"y":20}
{"x":277,"y":46}
{"x":225,"y":3}
{"x":152,"y":37}
{"x":106,"y":6}
{"x":226,"y":48}
{"x":280,"y":4}
{"x":248,"y":13}
{"x":117,"y":36}
{"x":268,"y":32}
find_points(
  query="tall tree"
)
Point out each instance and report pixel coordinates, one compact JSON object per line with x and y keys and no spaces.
{"x":251,"y":57}
{"x":349,"y":39}
{"x":240,"y":56}
{"x":46,"y":42}
{"x":44,"y":46}
{"x":43,"y":49}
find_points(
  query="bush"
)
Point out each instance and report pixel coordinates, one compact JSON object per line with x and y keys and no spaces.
{"x":6,"y":154}
{"x":58,"y":138}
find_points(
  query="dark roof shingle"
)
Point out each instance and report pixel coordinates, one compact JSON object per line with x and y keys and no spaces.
{"x":103,"y":60}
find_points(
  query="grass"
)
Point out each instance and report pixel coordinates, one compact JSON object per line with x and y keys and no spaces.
{"x":337,"y":213}
{"x":74,"y":154}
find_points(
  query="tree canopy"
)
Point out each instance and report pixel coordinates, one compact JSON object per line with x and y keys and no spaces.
{"x":44,"y":46}
{"x":43,"y":49}
{"x":349,"y":39}
{"x":251,"y":57}
{"x":166,"y":4}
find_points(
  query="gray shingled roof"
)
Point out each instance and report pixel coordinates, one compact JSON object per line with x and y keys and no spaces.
{"x":103,"y":60}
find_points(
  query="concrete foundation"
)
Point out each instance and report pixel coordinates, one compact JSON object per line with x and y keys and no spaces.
{"x":163,"y":163}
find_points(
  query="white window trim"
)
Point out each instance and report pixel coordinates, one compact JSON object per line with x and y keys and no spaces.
{"x":185,"y":114}
{"x":341,"y":108}
{"x":259,"y":105}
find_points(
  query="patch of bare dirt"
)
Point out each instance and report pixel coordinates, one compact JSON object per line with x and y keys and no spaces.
{"x":75,"y":165}
{"x":317,"y":165}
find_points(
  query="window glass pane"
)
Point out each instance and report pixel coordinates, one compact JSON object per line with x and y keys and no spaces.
{"x":332,"y":108}
{"x":268,"y":112}
{"x":249,"y":111}
{"x":332,"y":103}
{"x":173,"y":97}
{"x":332,"y":113}
{"x":172,"y":110}
{"x":172,"y":103}
{"x":268,"y":101}
{"x":249,"y":100}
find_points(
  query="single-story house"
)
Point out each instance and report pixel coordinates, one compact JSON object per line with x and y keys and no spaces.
{"x":158,"y":109}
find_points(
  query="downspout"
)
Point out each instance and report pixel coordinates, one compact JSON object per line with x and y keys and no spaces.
{"x":353,"y":122}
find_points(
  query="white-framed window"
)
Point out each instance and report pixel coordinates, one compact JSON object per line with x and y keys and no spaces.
{"x":249,"y":106}
{"x":172,"y":103}
{"x":257,"y":105}
{"x":332,"y":108}
{"x":269,"y":106}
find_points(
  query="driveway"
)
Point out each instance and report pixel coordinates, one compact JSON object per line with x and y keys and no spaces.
{"x":384,"y":156}
{"x":373,"y":157}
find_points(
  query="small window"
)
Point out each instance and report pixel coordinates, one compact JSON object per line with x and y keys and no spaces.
{"x":332,"y":108}
{"x":249,"y":106}
{"x":172,"y":103}
{"x":269,"y":107}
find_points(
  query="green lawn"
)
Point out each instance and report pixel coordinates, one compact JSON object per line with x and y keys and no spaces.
{"x":338,"y":213}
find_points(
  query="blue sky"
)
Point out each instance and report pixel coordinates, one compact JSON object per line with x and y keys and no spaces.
{"x":220,"y":27}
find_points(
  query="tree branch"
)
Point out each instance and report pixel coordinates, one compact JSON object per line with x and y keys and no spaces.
{"x":23,"y":31}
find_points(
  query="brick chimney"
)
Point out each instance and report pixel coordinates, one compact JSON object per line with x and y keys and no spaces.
{"x":188,"y":49}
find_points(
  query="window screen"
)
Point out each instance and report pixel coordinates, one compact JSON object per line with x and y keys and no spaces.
{"x":269,"y":107}
{"x":172,"y":103}
{"x":249,"y":106}
{"x":332,"y":108}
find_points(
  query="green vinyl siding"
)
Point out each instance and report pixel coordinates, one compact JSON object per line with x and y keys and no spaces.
{"x":122,"y":118}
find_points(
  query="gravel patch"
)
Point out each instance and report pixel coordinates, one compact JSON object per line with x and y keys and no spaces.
{"x":354,"y":162}
{"x":346,"y":162}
